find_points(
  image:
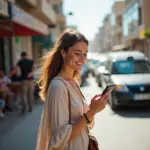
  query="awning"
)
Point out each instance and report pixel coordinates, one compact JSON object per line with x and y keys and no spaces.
{"x":118,"y":47}
{"x":20,"y":23}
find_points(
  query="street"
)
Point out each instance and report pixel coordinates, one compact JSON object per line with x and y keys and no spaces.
{"x":127,"y":129}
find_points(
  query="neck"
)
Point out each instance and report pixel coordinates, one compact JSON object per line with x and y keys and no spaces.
{"x":66,"y":74}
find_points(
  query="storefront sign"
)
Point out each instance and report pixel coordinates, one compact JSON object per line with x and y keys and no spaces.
{"x":141,"y":34}
{"x":27,"y":20}
{"x":4,"y":8}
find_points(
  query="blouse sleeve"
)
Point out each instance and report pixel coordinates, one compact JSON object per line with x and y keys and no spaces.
{"x":59,"y":115}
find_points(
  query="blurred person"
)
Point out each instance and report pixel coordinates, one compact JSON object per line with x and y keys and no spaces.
{"x":15,"y":85}
{"x":26,"y":67}
{"x":5,"y":92}
{"x":60,"y":127}
{"x":14,"y":75}
{"x":2,"y":106}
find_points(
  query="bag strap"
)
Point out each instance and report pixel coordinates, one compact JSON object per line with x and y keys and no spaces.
{"x":69,"y":100}
{"x":82,"y":101}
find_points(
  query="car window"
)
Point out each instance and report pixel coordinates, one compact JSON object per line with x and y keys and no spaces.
{"x":130,"y":67}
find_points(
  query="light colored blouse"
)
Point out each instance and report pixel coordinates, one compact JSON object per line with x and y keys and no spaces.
{"x":55,"y":129}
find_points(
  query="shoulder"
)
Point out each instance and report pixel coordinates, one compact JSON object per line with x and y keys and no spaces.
{"x":57,"y":84}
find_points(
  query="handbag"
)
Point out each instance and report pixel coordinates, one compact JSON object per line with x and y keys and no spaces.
{"x":93,"y":144}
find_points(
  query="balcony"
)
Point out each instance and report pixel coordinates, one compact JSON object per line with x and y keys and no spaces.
{"x":31,"y":2}
{"x":48,"y":12}
{"x":41,"y":9}
{"x":56,"y":2}
{"x":26,"y":3}
{"x":128,"y":3}
{"x":60,"y":18}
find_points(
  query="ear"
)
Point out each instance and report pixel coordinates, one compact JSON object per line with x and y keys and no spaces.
{"x":63,"y":53}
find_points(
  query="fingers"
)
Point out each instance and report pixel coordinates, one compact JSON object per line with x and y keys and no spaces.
{"x":96,"y":97}
{"x":104,"y":98}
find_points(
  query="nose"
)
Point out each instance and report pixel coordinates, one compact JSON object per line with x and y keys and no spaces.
{"x":82,"y":57}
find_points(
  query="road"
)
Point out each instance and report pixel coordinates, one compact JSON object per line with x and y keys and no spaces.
{"x":127,"y":129}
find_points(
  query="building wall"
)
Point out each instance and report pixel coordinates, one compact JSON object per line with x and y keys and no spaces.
{"x":20,"y":44}
{"x":146,"y":13}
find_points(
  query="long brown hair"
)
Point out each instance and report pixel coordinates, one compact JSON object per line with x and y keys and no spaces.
{"x":52,"y":62}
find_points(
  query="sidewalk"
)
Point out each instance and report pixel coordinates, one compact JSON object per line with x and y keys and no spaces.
{"x":13,"y":119}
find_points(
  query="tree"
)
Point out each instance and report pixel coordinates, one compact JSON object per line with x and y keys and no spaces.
{"x":147,"y":33}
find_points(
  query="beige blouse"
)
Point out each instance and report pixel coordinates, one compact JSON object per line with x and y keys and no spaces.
{"x":55,"y":130}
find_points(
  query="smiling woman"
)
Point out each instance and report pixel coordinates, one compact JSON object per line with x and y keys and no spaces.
{"x":66,"y":113}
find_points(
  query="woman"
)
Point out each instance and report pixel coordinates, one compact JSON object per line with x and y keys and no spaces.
{"x":61,"y":68}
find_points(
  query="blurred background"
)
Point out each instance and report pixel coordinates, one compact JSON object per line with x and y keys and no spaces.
{"x":119,"y":52}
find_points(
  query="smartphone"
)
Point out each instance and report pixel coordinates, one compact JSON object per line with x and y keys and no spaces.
{"x":108,"y":88}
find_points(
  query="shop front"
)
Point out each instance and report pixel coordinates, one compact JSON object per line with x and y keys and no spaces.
{"x":5,"y":44}
{"x":21,"y":26}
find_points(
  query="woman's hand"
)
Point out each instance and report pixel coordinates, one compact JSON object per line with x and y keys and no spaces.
{"x":98,"y":103}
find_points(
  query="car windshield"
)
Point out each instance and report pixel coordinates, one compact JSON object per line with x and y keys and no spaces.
{"x":130,"y":67}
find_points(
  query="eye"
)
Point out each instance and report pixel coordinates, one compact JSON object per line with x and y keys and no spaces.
{"x":85,"y":55}
{"x":77,"y":54}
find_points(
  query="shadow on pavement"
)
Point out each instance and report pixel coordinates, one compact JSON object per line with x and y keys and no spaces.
{"x":13,"y":119}
{"x":134,"y":112}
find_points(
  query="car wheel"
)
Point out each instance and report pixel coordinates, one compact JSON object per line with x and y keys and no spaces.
{"x":112,"y":103}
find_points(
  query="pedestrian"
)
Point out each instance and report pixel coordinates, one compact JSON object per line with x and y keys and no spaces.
{"x":66,"y":113}
{"x":26,"y":67}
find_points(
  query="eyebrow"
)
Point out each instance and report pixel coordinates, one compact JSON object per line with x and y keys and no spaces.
{"x":80,"y":50}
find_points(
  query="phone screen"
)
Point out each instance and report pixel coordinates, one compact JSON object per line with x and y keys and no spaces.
{"x":108,"y":88}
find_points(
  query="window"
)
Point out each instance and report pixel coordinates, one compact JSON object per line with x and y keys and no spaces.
{"x":140,"y":15}
{"x":131,"y":19}
{"x":58,"y":8}
{"x":130,"y":67}
{"x":113,"y":19}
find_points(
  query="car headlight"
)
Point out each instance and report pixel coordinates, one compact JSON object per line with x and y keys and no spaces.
{"x":121,"y":88}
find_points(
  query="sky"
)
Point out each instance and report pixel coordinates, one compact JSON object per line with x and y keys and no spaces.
{"x":88,"y":14}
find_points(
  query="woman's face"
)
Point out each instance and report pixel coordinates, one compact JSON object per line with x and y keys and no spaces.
{"x":76,"y":56}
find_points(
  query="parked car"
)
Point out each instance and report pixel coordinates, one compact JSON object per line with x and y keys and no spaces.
{"x":130,"y":72}
{"x":84,"y":73}
{"x":100,"y":69}
{"x":98,"y":72}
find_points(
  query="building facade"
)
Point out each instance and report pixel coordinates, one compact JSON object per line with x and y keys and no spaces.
{"x":117,"y":26}
{"x":135,"y":22}
{"x":107,"y":39}
{"x":20,"y":21}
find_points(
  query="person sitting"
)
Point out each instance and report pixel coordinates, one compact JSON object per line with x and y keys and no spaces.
{"x":2,"y":106}
{"x":15,"y":84}
{"x":14,"y":76}
{"x":6,"y":94}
